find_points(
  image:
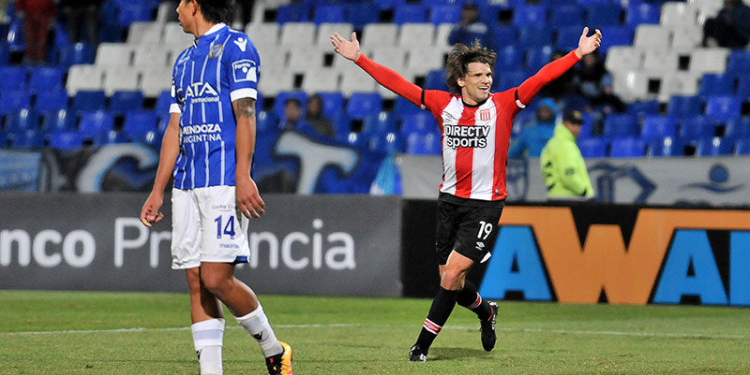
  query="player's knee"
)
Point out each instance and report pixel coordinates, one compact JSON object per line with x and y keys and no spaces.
{"x":215,"y":284}
{"x":452,"y":279}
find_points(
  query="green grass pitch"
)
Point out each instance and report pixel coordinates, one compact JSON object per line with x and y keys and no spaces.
{"x":148,"y":333}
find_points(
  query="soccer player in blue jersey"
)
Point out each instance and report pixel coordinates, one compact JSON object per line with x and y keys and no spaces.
{"x":208,"y":148}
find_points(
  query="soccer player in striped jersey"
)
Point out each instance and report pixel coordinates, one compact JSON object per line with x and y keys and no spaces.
{"x":208,"y":148}
{"x":475,"y":126}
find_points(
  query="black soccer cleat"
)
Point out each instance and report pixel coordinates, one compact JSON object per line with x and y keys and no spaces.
{"x":417,"y":355}
{"x":488,"y":329}
{"x":281,"y":364}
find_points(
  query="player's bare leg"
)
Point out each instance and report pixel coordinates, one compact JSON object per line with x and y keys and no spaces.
{"x":208,"y":324}
{"x":219,"y":279}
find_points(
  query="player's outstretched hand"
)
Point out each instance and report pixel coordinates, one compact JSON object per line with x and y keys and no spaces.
{"x":150,"y":211}
{"x":343,"y":47}
{"x":248,"y":198}
{"x":588,"y":44}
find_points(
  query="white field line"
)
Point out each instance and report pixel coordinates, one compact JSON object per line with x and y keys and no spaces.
{"x":304,"y":326}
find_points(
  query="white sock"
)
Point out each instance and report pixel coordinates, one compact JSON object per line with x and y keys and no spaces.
{"x":208,"y":337}
{"x":256,"y":323}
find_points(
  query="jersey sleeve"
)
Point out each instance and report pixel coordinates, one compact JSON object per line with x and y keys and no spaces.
{"x":531,"y":86}
{"x":175,"y":106}
{"x":243,"y":66}
{"x":391,"y":80}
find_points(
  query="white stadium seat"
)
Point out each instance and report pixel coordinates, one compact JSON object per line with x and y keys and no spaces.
{"x":678,"y":83}
{"x":661,"y":60}
{"x":114,"y":54}
{"x":356,"y":81}
{"x":305,"y":57}
{"x":687,"y":37}
{"x":379,"y":34}
{"x":630,"y":85}
{"x":416,"y":34}
{"x":266,"y":33}
{"x":152,"y":55}
{"x":298,"y":33}
{"x":146,"y":32}
{"x":425,"y":58}
{"x":709,"y":60}
{"x":121,"y":78}
{"x":173,"y":34}
{"x":274,"y":79}
{"x":393,"y":57}
{"x":321,"y":80}
{"x":652,"y":36}
{"x":84,"y":77}
{"x":679,"y":14}
{"x":325,"y":30}
{"x":154,"y":80}
{"x":622,"y":58}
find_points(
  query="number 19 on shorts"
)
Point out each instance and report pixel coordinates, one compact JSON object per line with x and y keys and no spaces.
{"x":227,"y":229}
{"x":485,"y":229}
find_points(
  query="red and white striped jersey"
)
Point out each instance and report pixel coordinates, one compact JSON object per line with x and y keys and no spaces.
{"x":475,"y":138}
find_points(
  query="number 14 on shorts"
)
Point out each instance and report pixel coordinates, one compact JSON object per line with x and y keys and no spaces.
{"x":227,"y":229}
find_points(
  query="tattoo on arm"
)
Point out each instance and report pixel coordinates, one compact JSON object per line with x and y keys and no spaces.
{"x":246,"y":107}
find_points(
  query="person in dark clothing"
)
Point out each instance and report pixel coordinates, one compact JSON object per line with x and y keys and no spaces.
{"x":38,"y":16}
{"x":730,"y":28}
{"x":595,"y":84}
{"x":470,"y":28}
{"x":78,"y":15}
{"x":314,"y":117}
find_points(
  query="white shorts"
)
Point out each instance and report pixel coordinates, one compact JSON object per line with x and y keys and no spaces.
{"x":206,"y":227}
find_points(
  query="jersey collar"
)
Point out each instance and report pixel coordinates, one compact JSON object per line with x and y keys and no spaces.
{"x":475,"y":105}
{"x":212,"y":30}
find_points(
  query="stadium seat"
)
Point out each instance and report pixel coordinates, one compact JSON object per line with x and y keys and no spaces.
{"x":445,"y":14}
{"x":51,"y":100}
{"x":361,"y":105}
{"x":174,"y":35}
{"x":292,"y":13}
{"x":666,"y":147}
{"x":333,"y":102}
{"x":26,"y":138}
{"x":266,"y":123}
{"x":660,"y":59}
{"x":679,"y":14}
{"x":714,"y":146}
{"x":385,"y":143}
{"x":125,"y":101}
{"x":743,"y":88}
{"x":353,"y":81}
{"x":298,"y":33}
{"x":739,"y":62}
{"x":65,"y":141}
{"x":567,"y":38}
{"x":138,"y":123}
{"x":410,"y":13}
{"x":89,"y":100}
{"x":57,"y":120}
{"x":616,"y":36}
{"x":132,"y":11}
{"x":685,"y":106}
{"x":14,"y":100}
{"x":536,"y":58}
{"x":154,"y":80}
{"x":403,"y":106}
{"x":15,"y":38}
{"x":709,"y":60}
{"x":435,"y":80}
{"x":535,"y":35}
{"x":603,"y":14}
{"x":678,"y":83}
{"x":628,"y":147}
{"x":644,"y":108}
{"x":421,"y":122}
{"x":120,"y":78}
{"x":657,"y":127}
{"x":530,"y":15}
{"x":114,"y":54}
{"x":593,"y":147}
{"x":716,"y":84}
{"x":21,"y":119}
{"x":78,"y":53}
{"x":325,"y":30}
{"x":263,"y":32}
{"x":148,"y":55}
{"x":382,"y":123}
{"x":652,"y":37}
{"x":423,"y":144}
{"x":620,"y":125}
{"x":416,"y":34}
{"x":624,"y":58}
{"x":504,"y":36}
{"x":422,"y":59}
{"x":379,"y":34}
{"x":321,"y":79}
{"x":163,"y":102}
{"x":509,"y":58}
{"x":329,"y":14}
{"x":738,"y":127}
{"x":631,"y":85}
{"x":278,"y":104}
{"x":84,"y":77}
{"x":146,"y":32}
{"x":95,"y":125}
{"x":643,"y":13}
{"x":509,"y":79}
{"x":13,"y":77}
{"x":742,"y":146}
{"x":567,"y":16}
{"x":696,"y":127}
{"x":687,"y":38}
{"x":722,"y":108}
{"x":362,"y":14}
{"x":46,"y":78}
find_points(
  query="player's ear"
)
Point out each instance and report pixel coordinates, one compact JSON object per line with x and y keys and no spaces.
{"x":461,"y":82}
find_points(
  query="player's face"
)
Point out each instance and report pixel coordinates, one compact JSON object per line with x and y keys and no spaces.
{"x":184,"y":12}
{"x":475,"y":87}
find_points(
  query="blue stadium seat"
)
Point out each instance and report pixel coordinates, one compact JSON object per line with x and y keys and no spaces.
{"x":697,"y":127}
{"x":27,"y":138}
{"x":65,"y":141}
{"x":628,"y":147}
{"x":403,"y":106}
{"x":292,"y":13}
{"x":124,"y":101}
{"x":435,"y":80}
{"x":616,"y":36}
{"x":509,"y":58}
{"x":742,"y":146}
{"x":508,"y":80}
{"x":593,"y":147}
{"x":361,"y":105}
{"x":265,"y":123}
{"x":743,"y":88}
{"x":78,"y":53}
{"x":716,"y":84}
{"x":138,"y":123}
{"x":133,"y":11}
{"x":21,"y":119}
{"x":420,"y":122}
{"x":714,"y":146}
{"x":333,"y":102}
{"x":503,"y":36}
{"x":567,"y":16}
{"x":14,"y":99}
{"x":643,"y":14}
{"x":89,"y":100}
{"x":329,"y":14}
{"x":536,"y":58}
{"x":390,"y":4}
{"x":666,"y":147}
{"x":603,"y":14}
{"x":410,"y":13}
{"x":685,"y":106}
{"x":95,"y":125}
{"x":535,"y":35}
{"x":57,"y":120}
{"x":164,"y":101}
{"x":46,"y":78}
{"x":567,"y":37}
{"x":13,"y":77}
{"x":722,"y":108}
{"x":621,"y":125}
{"x":644,"y":108}
{"x":530,"y":15}
{"x":423,"y":144}
{"x":445,"y":14}
{"x":382,"y":123}
{"x":738,"y":127}
{"x":3,"y":139}
{"x":739,"y":62}
{"x":15,"y":38}
{"x":385,"y":143}
{"x":4,"y":54}
{"x":658,"y":127}
{"x":360,"y":14}
{"x":278,"y":103}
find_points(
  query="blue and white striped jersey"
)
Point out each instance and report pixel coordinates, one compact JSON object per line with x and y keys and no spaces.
{"x":221,"y":66}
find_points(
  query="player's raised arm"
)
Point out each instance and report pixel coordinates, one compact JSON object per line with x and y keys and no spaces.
{"x":553,"y":70}
{"x":170,"y":148}
{"x":383,"y":75}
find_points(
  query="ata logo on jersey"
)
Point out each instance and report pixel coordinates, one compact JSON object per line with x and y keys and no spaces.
{"x":198,"y":89}
{"x":245,"y":71}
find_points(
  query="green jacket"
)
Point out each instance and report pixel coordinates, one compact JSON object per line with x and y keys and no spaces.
{"x":563,"y":169}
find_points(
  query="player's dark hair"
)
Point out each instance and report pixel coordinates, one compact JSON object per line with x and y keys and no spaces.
{"x":216,"y":11}
{"x":459,"y":59}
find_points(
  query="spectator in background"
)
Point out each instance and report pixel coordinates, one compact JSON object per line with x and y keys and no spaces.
{"x":563,"y":168}
{"x":314,"y":117}
{"x":470,"y":28}
{"x":78,"y":15}
{"x":532,"y":139}
{"x":730,"y":28}
{"x":38,"y":16}
{"x":595,"y":84}
{"x":292,"y":119}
